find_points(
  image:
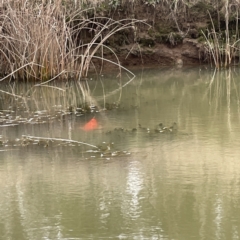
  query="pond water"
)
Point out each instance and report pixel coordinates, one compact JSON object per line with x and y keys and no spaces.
{"x":145,"y":183}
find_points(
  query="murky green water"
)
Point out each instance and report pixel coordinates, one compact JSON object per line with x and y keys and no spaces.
{"x":173,"y":185}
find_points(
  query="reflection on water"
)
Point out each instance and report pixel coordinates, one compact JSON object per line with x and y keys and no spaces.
{"x":134,"y":186}
{"x":173,"y":185}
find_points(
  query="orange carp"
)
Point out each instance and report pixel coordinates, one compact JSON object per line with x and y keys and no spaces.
{"x":91,"y":125}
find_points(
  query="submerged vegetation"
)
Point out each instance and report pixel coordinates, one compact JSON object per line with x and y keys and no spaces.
{"x":51,"y":113}
{"x":103,"y":150}
{"x":47,"y":41}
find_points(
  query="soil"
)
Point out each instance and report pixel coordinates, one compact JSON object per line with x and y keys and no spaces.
{"x":187,"y":53}
{"x":167,"y":37}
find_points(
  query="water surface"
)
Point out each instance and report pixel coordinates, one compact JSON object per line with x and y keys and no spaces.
{"x":172,"y":186}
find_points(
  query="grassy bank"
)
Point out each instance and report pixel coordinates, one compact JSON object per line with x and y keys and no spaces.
{"x":44,"y":40}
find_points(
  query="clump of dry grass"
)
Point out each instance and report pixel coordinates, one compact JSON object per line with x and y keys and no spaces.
{"x":32,"y":40}
{"x":42,"y":41}
{"x":223,"y":47}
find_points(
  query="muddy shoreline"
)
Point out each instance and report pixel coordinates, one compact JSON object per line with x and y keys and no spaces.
{"x":167,"y":37}
{"x":187,"y":53}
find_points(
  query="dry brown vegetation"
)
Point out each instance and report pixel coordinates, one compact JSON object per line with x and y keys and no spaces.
{"x":45,"y":40}
{"x":42,"y":40}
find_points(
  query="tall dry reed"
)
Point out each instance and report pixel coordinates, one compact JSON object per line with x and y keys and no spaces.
{"x":41,"y":41}
{"x":222,"y":45}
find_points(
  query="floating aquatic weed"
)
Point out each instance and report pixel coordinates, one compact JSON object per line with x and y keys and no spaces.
{"x":41,"y":112}
{"x":144,"y":131}
{"x":110,"y":154}
{"x":2,"y":143}
{"x":93,"y":151}
{"x":107,"y":150}
{"x":80,"y":111}
{"x":111,"y":106}
{"x":103,"y":150}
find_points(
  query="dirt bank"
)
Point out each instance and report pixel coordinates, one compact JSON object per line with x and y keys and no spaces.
{"x":189,"y":52}
{"x":169,"y":36}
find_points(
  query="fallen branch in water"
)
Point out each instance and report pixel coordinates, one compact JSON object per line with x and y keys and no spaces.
{"x":58,"y":139}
